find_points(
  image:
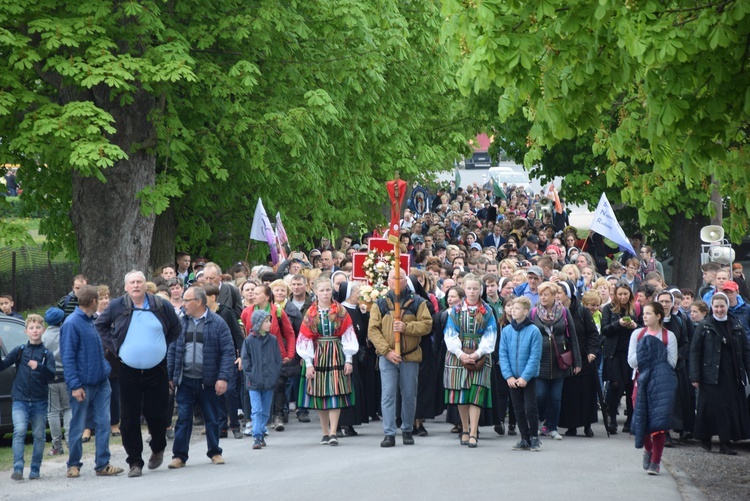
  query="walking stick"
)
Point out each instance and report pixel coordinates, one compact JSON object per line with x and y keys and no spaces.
{"x":396,"y":190}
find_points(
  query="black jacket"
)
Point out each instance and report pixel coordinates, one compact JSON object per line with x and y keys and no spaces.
{"x":30,"y":385}
{"x":588,"y":337}
{"x":565,"y":338}
{"x":705,"y":351}
{"x":230,"y":296}
{"x":113,"y":323}
{"x":233,"y":321}
{"x":617,"y":337}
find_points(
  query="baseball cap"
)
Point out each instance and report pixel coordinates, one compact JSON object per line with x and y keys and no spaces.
{"x":533,"y":239}
{"x":731,"y":285}
{"x":476,"y":246}
{"x":535,"y":270}
{"x":441,"y":245}
{"x":417,"y":239}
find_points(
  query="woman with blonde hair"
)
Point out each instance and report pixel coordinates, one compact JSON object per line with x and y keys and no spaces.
{"x":470,"y":335}
{"x":327,"y":344}
{"x":507,"y":267}
{"x":558,"y":336}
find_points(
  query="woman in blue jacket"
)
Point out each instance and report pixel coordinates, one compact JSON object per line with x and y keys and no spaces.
{"x":520,"y":352}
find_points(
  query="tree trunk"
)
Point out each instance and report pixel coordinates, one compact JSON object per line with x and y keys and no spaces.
{"x":163,"y":243}
{"x":113,"y":236}
{"x":685,"y":246}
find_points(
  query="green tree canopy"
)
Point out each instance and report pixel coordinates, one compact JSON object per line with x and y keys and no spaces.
{"x":660,"y":90}
{"x":190,"y":110}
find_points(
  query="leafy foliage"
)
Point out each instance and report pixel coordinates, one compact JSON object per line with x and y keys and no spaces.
{"x":659,"y":90}
{"x":310,"y":105}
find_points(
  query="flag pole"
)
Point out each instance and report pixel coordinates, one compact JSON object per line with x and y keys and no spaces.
{"x":397,"y":271}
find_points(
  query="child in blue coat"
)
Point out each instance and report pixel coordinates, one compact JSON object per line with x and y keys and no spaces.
{"x":520,"y":352}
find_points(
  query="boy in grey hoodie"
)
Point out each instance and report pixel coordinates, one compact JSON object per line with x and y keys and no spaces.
{"x":59,"y":398}
{"x":261,"y":363}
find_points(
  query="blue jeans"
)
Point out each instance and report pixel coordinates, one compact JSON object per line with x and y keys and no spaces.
{"x":97,"y":403}
{"x":261,"y":401}
{"x":393,"y":378}
{"x":190,"y":392}
{"x":548,"y":399}
{"x":24,"y":412}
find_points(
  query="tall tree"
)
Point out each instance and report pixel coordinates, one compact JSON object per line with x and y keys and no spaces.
{"x":661,"y":87}
{"x":118,"y":110}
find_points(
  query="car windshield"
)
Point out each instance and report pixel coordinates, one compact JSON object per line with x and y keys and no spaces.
{"x":12,"y":334}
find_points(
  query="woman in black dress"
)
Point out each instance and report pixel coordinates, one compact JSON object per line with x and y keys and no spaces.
{"x":619,"y":319}
{"x":355,"y":415}
{"x":454,"y":296}
{"x":719,"y":359}
{"x":579,"y":391}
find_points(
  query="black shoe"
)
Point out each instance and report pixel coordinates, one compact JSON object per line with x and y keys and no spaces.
{"x":349,"y":431}
{"x":571,"y":432}
{"x":500,"y":429}
{"x":407,"y":438}
{"x":706,"y":445}
{"x":461,"y":438}
{"x":303,"y":418}
{"x":388,"y":441}
{"x":669,"y":442}
{"x":421,"y":431}
{"x":588,"y":431}
{"x":223,"y":434}
{"x":511,"y":430}
{"x":375,"y":418}
{"x":325,"y":440}
{"x":725,"y":449}
{"x":474,"y":444}
{"x":612,"y":427}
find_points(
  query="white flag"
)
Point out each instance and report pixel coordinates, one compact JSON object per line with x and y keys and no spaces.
{"x":263,"y":231}
{"x":605,"y":223}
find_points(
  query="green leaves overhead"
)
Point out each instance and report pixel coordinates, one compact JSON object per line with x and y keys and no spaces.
{"x":311,"y":105}
{"x":658,"y":87}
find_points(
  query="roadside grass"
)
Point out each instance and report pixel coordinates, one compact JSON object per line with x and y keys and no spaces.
{"x":6,"y":450}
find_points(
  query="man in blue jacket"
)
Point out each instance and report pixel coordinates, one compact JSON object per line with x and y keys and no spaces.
{"x":86,"y":375}
{"x":199,"y":364}
{"x":520,"y":352}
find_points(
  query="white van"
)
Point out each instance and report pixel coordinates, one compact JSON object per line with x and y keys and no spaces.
{"x":511,"y":176}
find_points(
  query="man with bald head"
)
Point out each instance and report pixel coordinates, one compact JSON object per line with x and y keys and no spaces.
{"x":138,"y":327}
{"x":229,"y":295}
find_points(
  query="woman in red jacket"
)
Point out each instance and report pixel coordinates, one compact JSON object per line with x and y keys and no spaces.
{"x":282,"y":328}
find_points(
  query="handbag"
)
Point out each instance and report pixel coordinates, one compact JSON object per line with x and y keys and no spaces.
{"x":564,"y":359}
{"x":477,"y":365}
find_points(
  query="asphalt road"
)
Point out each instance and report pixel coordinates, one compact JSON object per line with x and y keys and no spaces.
{"x":295,"y":467}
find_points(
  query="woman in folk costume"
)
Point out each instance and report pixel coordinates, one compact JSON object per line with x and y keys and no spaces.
{"x":327,"y":344}
{"x":470,"y":338}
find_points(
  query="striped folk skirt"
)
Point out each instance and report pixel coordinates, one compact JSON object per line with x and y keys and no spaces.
{"x":330,"y":388}
{"x":465,"y":387}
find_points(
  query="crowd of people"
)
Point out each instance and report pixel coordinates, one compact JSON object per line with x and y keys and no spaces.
{"x":506,"y":318}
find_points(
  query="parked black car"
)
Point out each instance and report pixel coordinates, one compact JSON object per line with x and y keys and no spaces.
{"x":479,"y":160}
{"x":11,"y":335}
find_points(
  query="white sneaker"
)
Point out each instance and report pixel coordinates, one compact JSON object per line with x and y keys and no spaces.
{"x":555,"y":435}
{"x":248,"y":429}
{"x":240,"y":414}
{"x":292,"y":407}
